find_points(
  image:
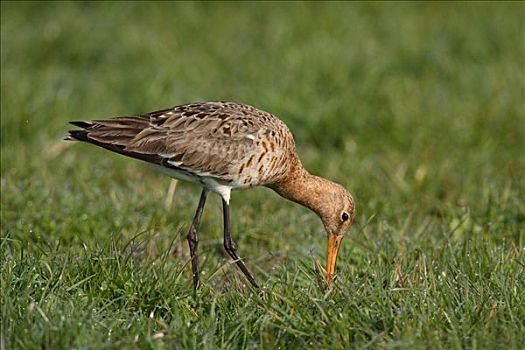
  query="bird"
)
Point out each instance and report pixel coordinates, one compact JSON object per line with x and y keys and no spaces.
{"x":225,"y":146}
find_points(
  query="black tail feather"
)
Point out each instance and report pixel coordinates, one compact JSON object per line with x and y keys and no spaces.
{"x":82,"y":135}
{"x":81,"y":124}
{"x":78,"y":135}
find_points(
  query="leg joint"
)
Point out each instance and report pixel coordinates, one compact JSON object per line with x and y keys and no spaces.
{"x":230,"y":246}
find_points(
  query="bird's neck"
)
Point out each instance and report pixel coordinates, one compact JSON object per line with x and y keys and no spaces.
{"x":304,"y":188}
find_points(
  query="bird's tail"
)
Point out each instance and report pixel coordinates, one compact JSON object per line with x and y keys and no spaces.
{"x":112,"y":134}
{"x":78,"y":135}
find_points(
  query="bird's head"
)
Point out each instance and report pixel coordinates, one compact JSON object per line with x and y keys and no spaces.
{"x":330,"y":201}
{"x":337,"y":212}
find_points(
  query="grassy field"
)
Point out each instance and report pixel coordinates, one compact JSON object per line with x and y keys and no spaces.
{"x":418,"y":109}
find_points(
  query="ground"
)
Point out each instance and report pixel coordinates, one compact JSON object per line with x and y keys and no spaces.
{"x":418,"y":109}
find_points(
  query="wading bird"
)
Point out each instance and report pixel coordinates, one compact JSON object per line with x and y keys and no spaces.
{"x":225,"y":146}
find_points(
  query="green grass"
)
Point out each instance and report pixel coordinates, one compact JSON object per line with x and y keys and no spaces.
{"x":418,"y":109}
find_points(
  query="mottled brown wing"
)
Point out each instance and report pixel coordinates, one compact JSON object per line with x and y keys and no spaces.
{"x":232,"y":142}
{"x":206,"y":141}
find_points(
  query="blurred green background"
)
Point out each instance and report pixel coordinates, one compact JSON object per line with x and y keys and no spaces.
{"x":417,"y":108}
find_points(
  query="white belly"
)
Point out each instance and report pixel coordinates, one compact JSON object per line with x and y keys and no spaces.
{"x":206,"y":181}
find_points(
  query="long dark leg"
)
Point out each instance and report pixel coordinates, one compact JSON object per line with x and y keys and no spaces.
{"x":229,"y":245}
{"x":193,"y":239}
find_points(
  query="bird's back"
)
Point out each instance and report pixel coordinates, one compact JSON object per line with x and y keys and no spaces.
{"x":235,"y":144}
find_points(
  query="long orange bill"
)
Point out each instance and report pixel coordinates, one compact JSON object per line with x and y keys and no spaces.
{"x":334,"y":243}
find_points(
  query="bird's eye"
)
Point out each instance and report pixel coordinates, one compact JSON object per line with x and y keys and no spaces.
{"x":345,"y":216}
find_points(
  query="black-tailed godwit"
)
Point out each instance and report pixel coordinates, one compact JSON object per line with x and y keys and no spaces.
{"x":225,"y":146}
